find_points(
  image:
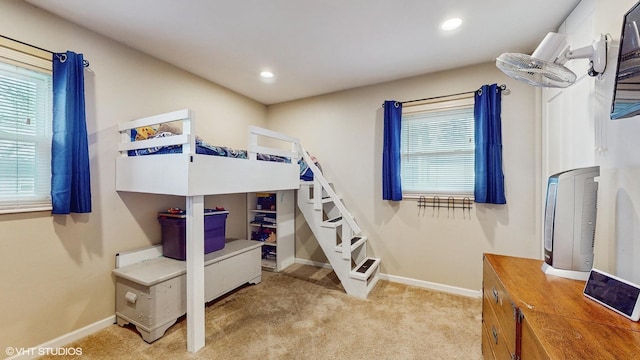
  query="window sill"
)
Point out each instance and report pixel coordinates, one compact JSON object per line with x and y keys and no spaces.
{"x":25,"y":210}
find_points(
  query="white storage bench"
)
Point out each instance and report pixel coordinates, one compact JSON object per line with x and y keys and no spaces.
{"x":151,"y":294}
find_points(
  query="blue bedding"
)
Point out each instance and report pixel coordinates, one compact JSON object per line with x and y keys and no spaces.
{"x":206,"y":149}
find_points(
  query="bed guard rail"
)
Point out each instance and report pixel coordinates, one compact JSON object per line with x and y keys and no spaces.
{"x":257,"y":133}
{"x":187,"y":137}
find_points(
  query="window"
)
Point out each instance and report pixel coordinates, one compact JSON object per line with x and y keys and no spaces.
{"x":438,"y":149}
{"x":25,"y":130}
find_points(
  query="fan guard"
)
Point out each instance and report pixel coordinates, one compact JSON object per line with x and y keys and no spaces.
{"x":545,"y":67}
{"x":534,"y":71}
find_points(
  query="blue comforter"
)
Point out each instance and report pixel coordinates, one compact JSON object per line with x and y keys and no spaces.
{"x":207,"y":149}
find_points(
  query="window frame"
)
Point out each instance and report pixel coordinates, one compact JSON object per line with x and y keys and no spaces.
{"x":459,"y":101}
{"x":14,"y":53}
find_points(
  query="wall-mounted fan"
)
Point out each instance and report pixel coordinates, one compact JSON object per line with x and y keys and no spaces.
{"x":545,"y":67}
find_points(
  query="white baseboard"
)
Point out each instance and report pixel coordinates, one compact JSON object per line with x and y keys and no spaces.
{"x":432,"y":286}
{"x":408,"y":281}
{"x":134,"y":256}
{"x":57,"y":345}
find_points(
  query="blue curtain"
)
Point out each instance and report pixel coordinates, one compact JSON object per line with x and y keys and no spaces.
{"x":489,"y":184}
{"x":391,"y":185}
{"x":70,"y":178}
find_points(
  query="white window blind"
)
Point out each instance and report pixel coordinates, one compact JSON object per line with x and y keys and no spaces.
{"x":25,"y":133}
{"x":438,"y":149}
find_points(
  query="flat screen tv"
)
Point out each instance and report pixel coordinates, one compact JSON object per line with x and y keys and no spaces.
{"x":626,"y":93}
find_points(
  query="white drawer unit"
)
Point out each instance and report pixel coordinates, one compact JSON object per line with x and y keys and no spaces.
{"x":151,"y":294}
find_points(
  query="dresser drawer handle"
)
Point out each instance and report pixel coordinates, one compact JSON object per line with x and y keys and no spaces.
{"x":494,"y":332}
{"x":495,"y":294}
{"x":131,"y":297}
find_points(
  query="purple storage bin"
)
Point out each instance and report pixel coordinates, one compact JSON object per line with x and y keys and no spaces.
{"x":174,"y":233}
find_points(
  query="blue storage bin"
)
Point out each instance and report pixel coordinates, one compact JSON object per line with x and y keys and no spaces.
{"x":174,"y":233}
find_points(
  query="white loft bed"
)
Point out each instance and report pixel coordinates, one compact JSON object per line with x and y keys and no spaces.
{"x":195,"y":175}
{"x":190,"y":174}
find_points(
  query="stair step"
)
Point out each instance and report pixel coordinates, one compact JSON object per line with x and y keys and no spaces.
{"x":365,"y":269}
{"x":358,"y":279}
{"x":325,"y":199}
{"x":311,"y":182}
{"x":356,"y":241}
{"x":332,"y":223}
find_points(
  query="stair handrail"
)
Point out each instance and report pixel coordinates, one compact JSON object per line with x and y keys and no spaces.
{"x":317,"y":176}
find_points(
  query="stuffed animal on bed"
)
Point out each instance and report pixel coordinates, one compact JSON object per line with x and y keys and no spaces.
{"x":144,"y":133}
{"x":170,"y":128}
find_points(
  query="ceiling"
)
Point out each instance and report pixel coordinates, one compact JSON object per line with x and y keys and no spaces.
{"x":315,"y":47}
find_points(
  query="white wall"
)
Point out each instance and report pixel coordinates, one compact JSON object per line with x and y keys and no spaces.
{"x":344,"y":130}
{"x":619,"y":207}
{"x":588,"y":136}
{"x":55,"y":272}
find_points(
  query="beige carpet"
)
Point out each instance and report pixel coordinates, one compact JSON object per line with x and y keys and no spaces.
{"x":303,"y":313}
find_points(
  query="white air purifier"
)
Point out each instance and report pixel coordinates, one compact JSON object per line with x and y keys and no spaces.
{"x":570,"y":223}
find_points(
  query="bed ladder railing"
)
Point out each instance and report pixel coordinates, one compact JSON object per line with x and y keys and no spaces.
{"x":337,"y":232}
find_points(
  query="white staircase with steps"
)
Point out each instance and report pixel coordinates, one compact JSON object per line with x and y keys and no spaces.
{"x":333,"y":227}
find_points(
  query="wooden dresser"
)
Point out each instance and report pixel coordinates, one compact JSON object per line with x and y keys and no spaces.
{"x":527,"y":314}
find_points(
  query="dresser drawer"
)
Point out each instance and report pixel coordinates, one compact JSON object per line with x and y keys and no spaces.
{"x":531,"y":347}
{"x":498,"y":300}
{"x":493,"y":335}
{"x":487,"y":349}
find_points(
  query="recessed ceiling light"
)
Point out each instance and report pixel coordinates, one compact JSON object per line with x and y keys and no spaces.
{"x":266,"y":74}
{"x":451,"y":24}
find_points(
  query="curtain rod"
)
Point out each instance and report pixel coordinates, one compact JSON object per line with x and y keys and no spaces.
{"x":84,"y":62}
{"x":503,"y":87}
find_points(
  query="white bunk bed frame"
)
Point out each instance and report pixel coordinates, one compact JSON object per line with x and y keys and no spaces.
{"x":194,"y":176}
